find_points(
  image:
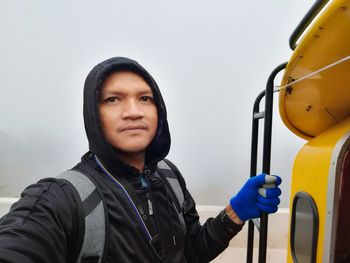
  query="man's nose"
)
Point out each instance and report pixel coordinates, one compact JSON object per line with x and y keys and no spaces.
{"x":132,"y":109}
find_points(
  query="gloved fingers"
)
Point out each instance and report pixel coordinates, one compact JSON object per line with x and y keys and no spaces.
{"x":267,"y":209}
{"x":278,"y":180}
{"x":263,"y":178}
{"x":258,"y":180}
{"x":268,"y":201}
{"x":269,"y":193}
{"x":268,"y":186}
{"x":273,"y":179}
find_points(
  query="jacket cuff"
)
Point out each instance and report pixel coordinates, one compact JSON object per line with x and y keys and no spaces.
{"x":224,"y":222}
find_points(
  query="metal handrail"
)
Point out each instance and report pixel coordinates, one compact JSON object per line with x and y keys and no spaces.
{"x":267,"y":115}
{"x":267,"y":153}
{"x":305,"y":22}
{"x":253,"y":170}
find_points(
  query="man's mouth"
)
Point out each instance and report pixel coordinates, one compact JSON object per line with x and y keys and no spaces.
{"x":133,"y":127}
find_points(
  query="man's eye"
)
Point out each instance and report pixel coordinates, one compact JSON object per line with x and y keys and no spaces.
{"x":111,"y":99}
{"x":146,"y":99}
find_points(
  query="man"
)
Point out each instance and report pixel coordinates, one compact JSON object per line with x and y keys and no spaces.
{"x":127,"y":129}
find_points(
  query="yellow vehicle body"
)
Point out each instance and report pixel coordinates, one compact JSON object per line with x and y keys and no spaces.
{"x":318,"y":169}
{"x":318,"y":102}
{"x":314,"y":104}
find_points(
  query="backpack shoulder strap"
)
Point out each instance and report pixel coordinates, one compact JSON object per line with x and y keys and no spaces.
{"x":94,"y":209}
{"x":174,"y":186}
{"x":171,"y":177}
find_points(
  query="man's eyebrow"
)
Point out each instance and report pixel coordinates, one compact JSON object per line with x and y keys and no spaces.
{"x":146,"y":92}
{"x":111,"y":91}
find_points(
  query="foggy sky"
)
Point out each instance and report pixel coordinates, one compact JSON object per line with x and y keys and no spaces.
{"x":210,"y":59}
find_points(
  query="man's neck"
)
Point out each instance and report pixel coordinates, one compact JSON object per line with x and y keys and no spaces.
{"x":136,"y":160}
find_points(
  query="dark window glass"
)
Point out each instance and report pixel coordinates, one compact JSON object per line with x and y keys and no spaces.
{"x":304,"y":228}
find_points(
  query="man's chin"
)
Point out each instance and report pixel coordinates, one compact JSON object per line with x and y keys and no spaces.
{"x":131,"y":150}
{"x":131,"y":146}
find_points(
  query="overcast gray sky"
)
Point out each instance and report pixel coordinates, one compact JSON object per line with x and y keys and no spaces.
{"x":210,"y":59}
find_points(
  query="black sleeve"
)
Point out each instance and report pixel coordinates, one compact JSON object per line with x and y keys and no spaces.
{"x":204,"y":242}
{"x":43,"y":226}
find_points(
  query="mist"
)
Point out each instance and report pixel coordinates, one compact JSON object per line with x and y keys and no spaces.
{"x":210,"y":59}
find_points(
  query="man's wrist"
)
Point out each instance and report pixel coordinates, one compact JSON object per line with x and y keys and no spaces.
{"x":232,"y":215}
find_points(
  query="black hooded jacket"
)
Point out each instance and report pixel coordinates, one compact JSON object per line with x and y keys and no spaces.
{"x":45,"y":225}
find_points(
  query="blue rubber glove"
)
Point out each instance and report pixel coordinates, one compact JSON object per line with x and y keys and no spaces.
{"x":259,"y":194}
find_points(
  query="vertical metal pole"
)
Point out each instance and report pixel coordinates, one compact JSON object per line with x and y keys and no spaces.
{"x":253,"y":167}
{"x":250,"y":243}
{"x":267,"y":154}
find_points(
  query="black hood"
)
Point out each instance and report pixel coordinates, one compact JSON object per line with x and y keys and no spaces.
{"x":98,"y":144}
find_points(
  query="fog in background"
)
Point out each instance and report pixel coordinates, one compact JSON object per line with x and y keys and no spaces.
{"x":210,"y":58}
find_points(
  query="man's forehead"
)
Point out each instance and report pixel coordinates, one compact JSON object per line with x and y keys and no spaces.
{"x":125,"y":80}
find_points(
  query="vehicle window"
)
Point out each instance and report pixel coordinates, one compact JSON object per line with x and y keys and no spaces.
{"x":304,"y":228}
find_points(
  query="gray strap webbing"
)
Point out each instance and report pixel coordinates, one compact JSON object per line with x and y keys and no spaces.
{"x":171,"y":177}
{"x":94,"y":237}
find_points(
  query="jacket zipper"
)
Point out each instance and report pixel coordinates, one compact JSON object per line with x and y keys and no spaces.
{"x":144,"y":227}
{"x":146,"y":185}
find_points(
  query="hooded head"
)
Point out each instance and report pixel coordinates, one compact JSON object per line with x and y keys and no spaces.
{"x":98,"y":144}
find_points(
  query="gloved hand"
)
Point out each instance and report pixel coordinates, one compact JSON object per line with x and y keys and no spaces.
{"x":259,"y":194}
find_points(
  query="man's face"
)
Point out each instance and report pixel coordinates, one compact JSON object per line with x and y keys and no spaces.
{"x":127,"y":112}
